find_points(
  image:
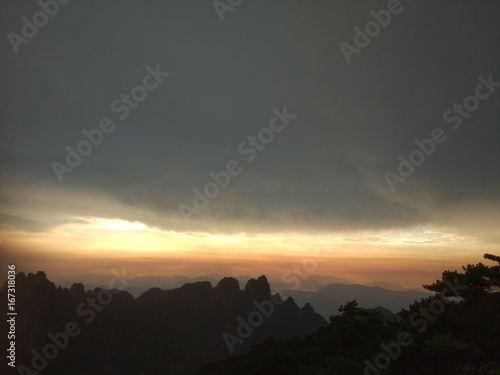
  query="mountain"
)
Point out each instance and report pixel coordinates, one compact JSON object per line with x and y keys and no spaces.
{"x":454,"y":331}
{"x":171,"y":331}
{"x":385,"y":285}
{"x":139,"y":284}
{"x":328,"y":299}
{"x":387,"y":315}
{"x":309,"y":282}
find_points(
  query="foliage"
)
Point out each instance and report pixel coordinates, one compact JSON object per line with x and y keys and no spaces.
{"x":448,"y":337}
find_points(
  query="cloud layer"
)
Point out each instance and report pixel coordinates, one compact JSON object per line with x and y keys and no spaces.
{"x":324,"y":172}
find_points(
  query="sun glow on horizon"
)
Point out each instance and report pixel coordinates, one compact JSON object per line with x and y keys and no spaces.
{"x":100,"y":234}
{"x":401,"y":255}
{"x":116,"y":224}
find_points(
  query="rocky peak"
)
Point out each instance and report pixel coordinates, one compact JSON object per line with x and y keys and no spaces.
{"x":77,"y":291}
{"x":228,"y":287}
{"x":258,"y":289}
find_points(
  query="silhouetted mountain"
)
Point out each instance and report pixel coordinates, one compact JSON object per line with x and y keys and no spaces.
{"x":436,"y":335}
{"x":161,"y":332}
{"x":389,"y":286}
{"x":328,"y":299}
{"x":387,"y":315}
{"x":310,"y":283}
{"x":140,"y":284}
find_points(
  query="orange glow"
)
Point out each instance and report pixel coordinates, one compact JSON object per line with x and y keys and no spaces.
{"x":408,"y":257}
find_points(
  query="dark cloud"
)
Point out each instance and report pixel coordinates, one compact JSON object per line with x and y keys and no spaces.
{"x":324,"y":172}
{"x":22,"y":224}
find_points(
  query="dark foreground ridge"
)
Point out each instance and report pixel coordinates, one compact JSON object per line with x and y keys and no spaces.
{"x":454,"y":332}
{"x":73,"y":331}
{"x":192,"y":330}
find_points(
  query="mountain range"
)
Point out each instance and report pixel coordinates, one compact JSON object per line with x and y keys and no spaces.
{"x":139,"y":284}
{"x":328,"y":299}
{"x":172,"y":331}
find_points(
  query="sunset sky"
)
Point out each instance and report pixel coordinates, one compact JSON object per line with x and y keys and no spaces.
{"x":318,"y":177}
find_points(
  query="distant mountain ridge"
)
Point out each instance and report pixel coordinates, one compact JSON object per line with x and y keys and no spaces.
{"x":385,"y":285}
{"x":328,"y":299}
{"x":140,"y":284}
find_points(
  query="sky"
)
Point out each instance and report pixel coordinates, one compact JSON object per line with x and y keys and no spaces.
{"x":241,"y":139}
